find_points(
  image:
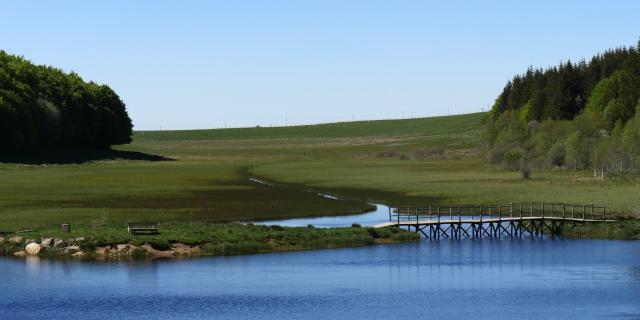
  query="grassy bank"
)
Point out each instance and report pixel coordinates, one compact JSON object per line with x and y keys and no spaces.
{"x":207,"y":239}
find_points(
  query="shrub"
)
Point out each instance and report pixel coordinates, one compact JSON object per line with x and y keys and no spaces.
{"x":386,"y":154}
{"x":428,"y":152}
{"x":373,"y":233}
{"x":276,"y":227}
{"x":557,"y":154}
{"x":512,"y":158}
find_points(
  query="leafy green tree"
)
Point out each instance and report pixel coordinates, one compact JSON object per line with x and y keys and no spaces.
{"x":631,"y":140}
{"x":556,"y":154}
{"x":40,"y":104}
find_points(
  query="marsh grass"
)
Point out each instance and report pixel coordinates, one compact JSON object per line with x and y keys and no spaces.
{"x":621,"y":230}
{"x":206,"y":181}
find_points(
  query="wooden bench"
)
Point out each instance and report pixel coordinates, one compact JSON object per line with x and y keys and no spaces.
{"x":143,"y":227}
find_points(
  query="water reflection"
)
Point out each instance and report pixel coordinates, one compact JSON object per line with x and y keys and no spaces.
{"x":142,"y":271}
{"x":450,"y":278}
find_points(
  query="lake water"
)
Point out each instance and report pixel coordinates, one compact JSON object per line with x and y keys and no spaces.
{"x":453,"y":279}
{"x":447,"y":279}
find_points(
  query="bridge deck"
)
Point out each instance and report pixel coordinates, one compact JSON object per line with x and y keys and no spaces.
{"x":478,"y":220}
{"x":513,"y":219}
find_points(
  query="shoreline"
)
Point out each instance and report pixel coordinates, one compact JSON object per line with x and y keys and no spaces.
{"x":236,"y":239}
{"x":276,"y":239}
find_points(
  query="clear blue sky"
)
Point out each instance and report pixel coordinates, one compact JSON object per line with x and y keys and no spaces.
{"x":197,"y":64}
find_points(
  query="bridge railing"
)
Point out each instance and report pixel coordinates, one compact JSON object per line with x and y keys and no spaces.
{"x":523,"y":210}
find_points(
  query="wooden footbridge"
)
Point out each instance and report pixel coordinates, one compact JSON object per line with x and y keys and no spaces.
{"x":495,"y":221}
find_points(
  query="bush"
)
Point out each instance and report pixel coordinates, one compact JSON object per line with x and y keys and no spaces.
{"x":512,"y":158}
{"x":429,"y":152}
{"x":373,"y":233}
{"x":556,"y":155}
{"x":386,"y":154}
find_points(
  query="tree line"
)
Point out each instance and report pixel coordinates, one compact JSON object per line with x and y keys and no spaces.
{"x":42,"y":104}
{"x":583,"y":116}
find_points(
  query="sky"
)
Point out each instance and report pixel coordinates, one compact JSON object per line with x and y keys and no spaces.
{"x":214,"y":64}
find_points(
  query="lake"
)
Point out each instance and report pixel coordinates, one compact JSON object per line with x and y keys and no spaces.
{"x":529,"y":278}
{"x":453,"y":279}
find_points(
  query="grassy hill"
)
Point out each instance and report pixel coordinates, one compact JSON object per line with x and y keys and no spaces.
{"x":374,"y":128}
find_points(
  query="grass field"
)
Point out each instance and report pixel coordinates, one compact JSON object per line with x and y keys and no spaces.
{"x":203,"y":176}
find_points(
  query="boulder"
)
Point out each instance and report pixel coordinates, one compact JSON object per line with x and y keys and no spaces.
{"x":78,"y":254}
{"x":27,"y":241}
{"x":103,"y":251}
{"x":33,"y":248}
{"x":16,"y":240}
{"x":156,"y":254}
{"x":132,"y":249}
{"x":196,"y":251}
{"x":121,"y":248}
{"x":46,"y":242}
{"x":59,"y":243}
{"x":20,"y":254}
{"x":79,"y":239}
{"x":181,"y":249}
{"x":1,"y":239}
{"x":71,"y":250}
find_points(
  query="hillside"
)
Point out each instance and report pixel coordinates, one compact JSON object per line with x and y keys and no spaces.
{"x":402,"y":127}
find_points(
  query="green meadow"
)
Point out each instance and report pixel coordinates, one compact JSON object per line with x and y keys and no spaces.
{"x":202,"y":176}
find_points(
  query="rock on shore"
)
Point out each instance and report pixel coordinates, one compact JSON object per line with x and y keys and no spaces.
{"x":16,"y":240}
{"x":72,"y":247}
{"x":33,"y":248}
